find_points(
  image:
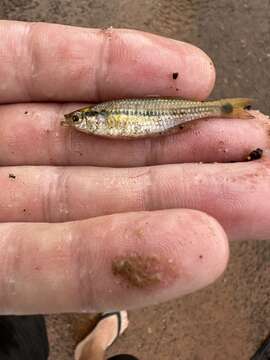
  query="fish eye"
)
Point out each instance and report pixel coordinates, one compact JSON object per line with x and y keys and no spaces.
{"x":75,"y":118}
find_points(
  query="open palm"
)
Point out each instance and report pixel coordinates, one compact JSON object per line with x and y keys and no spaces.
{"x":94,"y":224}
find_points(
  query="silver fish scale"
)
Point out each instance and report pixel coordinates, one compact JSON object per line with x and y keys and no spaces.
{"x":149,"y":105}
{"x":141,"y":118}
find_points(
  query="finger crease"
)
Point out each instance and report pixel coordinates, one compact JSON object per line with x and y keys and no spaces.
{"x":149,"y":150}
{"x":83,"y":255}
{"x":32,"y":59}
{"x":55,"y":199}
{"x":10,"y":263}
{"x":102,"y":72}
{"x":147,"y":189}
{"x":66,"y":134}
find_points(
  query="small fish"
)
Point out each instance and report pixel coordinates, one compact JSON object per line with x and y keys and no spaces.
{"x":137,"y":118}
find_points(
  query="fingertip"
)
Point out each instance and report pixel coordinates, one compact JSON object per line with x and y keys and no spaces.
{"x":203,"y":253}
{"x":195,"y":70}
{"x":165,"y":255}
{"x":219,"y":247}
{"x":204,"y":68}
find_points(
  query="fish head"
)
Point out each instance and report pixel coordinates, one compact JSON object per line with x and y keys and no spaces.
{"x":75,"y":119}
{"x":84,"y":119}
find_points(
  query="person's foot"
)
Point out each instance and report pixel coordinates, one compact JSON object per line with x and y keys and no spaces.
{"x":110,"y":326}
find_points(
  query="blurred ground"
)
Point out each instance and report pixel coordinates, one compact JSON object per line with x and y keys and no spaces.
{"x":227,"y":320}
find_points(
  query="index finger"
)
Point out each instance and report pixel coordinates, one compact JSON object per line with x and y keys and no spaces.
{"x":63,"y":63}
{"x":113,"y":262}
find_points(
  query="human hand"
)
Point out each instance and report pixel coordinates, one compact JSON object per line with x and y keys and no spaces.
{"x":116,"y":231}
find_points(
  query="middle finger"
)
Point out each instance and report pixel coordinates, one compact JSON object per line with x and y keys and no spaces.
{"x":229,"y":192}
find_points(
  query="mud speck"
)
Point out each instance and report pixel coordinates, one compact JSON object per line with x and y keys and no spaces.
{"x":255,"y":155}
{"x":139,"y":233}
{"x":141,"y":271}
{"x":175,"y":75}
{"x":12,"y":176}
{"x":107,"y":32}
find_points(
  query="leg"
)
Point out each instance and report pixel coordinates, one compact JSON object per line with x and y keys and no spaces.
{"x":110,"y":326}
{"x":23,"y":337}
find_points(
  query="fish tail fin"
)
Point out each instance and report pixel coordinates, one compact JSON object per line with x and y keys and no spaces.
{"x":236,"y":108}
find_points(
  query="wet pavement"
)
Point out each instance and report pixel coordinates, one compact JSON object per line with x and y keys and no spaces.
{"x":227,"y":320}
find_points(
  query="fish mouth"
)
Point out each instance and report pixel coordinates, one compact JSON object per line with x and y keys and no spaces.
{"x":66,"y":121}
